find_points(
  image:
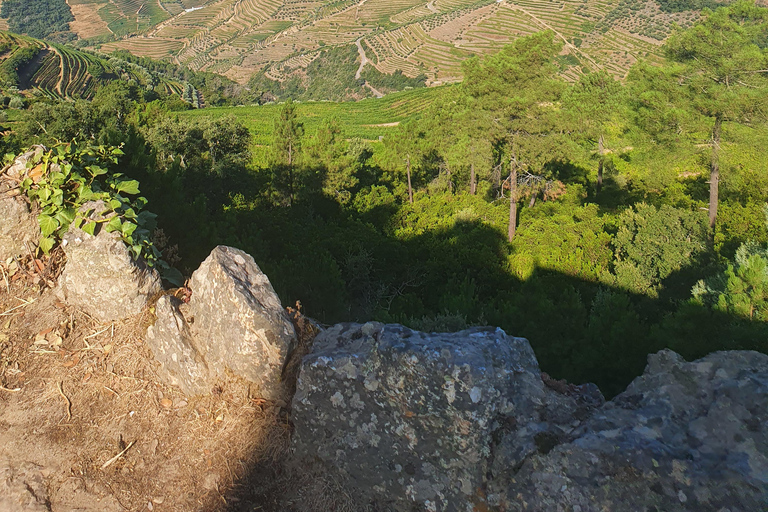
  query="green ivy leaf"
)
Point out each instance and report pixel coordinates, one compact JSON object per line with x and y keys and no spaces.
{"x":114,"y":224}
{"x":128,"y":228}
{"x":95,"y":170}
{"x":173,"y":276}
{"x":89,"y":227}
{"x":128,"y":186}
{"x":48,"y":224}
{"x":65,"y":216}
{"x":147,"y":220}
{"x":46,"y":244}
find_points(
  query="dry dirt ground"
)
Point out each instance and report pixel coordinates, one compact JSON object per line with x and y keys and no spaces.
{"x":86,"y":425}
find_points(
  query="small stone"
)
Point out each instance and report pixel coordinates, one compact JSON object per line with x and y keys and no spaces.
{"x":210,"y":481}
{"x":681,"y":496}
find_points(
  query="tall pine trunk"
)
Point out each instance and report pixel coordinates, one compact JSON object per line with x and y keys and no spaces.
{"x":600,"y":151}
{"x":472,"y":179}
{"x":512,"y":198}
{"x":290,"y":173}
{"x":408,"y":171}
{"x":714,"y":172}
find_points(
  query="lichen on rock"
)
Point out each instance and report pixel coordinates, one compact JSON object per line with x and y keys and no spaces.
{"x":683,"y":436}
{"x":234,"y":324}
{"x":102,"y":278}
{"x":413,"y":418}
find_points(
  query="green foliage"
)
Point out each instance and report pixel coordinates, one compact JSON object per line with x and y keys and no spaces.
{"x":396,"y":81}
{"x":595,"y":280}
{"x":330,"y":76}
{"x":9,"y":68}
{"x":37,"y":18}
{"x":653,"y":243}
{"x":723,"y":66}
{"x":66,"y":179}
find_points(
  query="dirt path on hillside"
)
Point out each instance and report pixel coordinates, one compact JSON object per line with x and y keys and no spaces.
{"x":363,"y":58}
{"x":363,"y":62}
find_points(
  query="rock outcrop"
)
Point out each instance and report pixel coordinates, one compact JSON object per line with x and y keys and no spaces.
{"x":414,"y":418}
{"x":683,"y":436}
{"x":234,"y":323}
{"x":19,"y":230}
{"x":174,"y":348}
{"x":466,"y":421}
{"x":102,"y":278}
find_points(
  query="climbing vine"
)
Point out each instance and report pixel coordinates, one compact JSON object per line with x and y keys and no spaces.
{"x":65,"y":178}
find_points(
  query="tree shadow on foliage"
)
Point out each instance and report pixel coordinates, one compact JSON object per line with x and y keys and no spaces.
{"x":580,"y":330}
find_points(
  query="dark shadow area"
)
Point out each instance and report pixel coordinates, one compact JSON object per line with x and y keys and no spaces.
{"x":580,"y":330}
{"x":344,"y":265}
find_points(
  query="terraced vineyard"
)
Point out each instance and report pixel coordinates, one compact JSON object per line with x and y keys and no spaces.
{"x":239,"y":37}
{"x":59,"y":71}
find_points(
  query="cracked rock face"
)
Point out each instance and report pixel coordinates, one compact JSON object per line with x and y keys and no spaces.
{"x":234,"y":323}
{"x":416,"y":419}
{"x":683,"y":436}
{"x":175,"y":349}
{"x":19,"y":230}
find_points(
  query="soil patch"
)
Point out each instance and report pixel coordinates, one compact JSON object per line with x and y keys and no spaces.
{"x":81,"y":403}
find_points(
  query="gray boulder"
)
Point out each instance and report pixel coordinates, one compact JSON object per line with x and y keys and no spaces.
{"x":173,"y":346}
{"x":415,"y":419}
{"x":102,"y":278}
{"x":19,"y":229}
{"x":683,"y":436}
{"x":238,"y":320}
{"x":234,"y":324}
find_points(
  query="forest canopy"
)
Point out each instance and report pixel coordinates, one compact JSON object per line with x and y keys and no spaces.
{"x":38,"y":18}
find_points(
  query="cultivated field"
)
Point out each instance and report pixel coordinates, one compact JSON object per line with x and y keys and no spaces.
{"x":367,"y":119}
{"x":240,"y":37}
{"x":59,"y":71}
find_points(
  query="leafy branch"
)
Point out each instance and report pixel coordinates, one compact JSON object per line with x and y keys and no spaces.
{"x":65,"y":178}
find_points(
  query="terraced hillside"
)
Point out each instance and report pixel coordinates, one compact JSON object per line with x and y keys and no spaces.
{"x":59,"y":71}
{"x":239,"y":37}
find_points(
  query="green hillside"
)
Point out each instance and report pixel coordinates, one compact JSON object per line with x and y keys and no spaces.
{"x":32,"y":68}
{"x":367,"y":119}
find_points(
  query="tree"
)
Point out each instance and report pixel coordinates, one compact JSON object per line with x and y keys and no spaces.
{"x":406,"y":146}
{"x":652,"y":243}
{"x":742,"y":289}
{"x":723,"y":73}
{"x":286,"y":144}
{"x":518,"y":87}
{"x":593,"y":101}
{"x":331,"y":150}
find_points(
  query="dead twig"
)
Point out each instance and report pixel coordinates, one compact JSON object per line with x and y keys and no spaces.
{"x":112,"y":391}
{"x":25,"y":304}
{"x":69,"y":403}
{"x":14,"y":390}
{"x":114,"y":459}
{"x":5,"y":278}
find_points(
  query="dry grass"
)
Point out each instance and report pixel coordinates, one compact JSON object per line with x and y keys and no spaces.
{"x":92,"y":391}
